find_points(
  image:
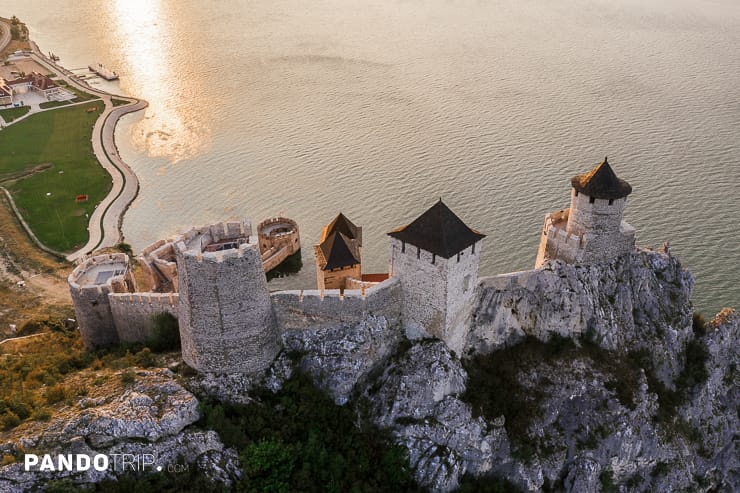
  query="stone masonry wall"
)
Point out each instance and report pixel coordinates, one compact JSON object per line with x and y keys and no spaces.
{"x":309,"y":310}
{"x":226,"y":319}
{"x":424,"y":287}
{"x":462,"y":279}
{"x":90,"y":301}
{"x":597,"y":217}
{"x":133,"y":312}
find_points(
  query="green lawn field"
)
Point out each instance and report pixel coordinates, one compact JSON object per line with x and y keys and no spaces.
{"x":11,"y":114}
{"x":46,"y":161}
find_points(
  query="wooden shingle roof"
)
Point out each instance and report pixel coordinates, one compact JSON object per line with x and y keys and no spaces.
{"x":438,"y":231}
{"x":601,"y":183}
{"x":339,"y":251}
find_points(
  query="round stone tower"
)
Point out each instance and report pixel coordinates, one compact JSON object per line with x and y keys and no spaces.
{"x":597,"y":201}
{"x":592,"y":230}
{"x":89,"y":284}
{"x":226,"y":320}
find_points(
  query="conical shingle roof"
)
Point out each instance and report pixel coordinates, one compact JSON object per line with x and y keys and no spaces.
{"x":601,"y":183}
{"x":438,"y":231}
{"x":341,"y":224}
{"x":339,"y":251}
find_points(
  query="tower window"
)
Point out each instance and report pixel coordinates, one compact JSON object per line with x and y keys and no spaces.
{"x":403,"y":247}
{"x":418,"y":252}
{"x":576,"y":193}
{"x":434,"y":257}
{"x":473,"y":251}
{"x":591,"y":200}
{"x":611,"y":201}
{"x":458,"y":256}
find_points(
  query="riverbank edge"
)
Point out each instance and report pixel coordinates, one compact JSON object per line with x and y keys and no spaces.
{"x":105,"y":225}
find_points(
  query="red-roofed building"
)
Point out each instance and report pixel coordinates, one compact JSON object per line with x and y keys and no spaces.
{"x":34,"y":82}
{"x":6,"y":93}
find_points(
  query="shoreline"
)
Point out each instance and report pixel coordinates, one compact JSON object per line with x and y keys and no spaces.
{"x":104,"y":226}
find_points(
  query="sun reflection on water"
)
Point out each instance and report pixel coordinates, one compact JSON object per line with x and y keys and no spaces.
{"x":167,"y":130}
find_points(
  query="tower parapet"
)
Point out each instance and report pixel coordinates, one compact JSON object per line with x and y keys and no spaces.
{"x":592,"y":229}
{"x":227,"y":324}
{"x":90,"y":283}
{"x":436,"y":260}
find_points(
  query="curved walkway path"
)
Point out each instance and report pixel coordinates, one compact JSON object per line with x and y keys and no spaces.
{"x":105,"y":222}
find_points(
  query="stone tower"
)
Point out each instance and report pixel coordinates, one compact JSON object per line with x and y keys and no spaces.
{"x":338,"y":254}
{"x":226,"y":320}
{"x":592,"y":229}
{"x":89,"y":285}
{"x":436,"y":260}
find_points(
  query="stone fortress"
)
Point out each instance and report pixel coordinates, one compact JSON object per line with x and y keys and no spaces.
{"x":213,"y":279}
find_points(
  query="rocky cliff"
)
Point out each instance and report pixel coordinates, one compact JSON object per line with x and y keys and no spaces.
{"x":613,"y":385}
{"x":574,"y":378}
{"x":152,"y":415}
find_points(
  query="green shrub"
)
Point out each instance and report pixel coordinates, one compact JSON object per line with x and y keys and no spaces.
{"x":699,"y":325}
{"x":165,"y":333}
{"x":128,"y":376}
{"x":299,"y":440}
{"x":9,"y":420}
{"x":55,"y":393}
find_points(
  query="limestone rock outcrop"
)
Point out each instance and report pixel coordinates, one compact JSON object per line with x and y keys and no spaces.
{"x":154,"y":415}
{"x":637,"y":301}
{"x":417,"y":398}
{"x":338,"y":357}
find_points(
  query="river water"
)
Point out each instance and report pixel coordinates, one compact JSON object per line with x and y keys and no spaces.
{"x":378,"y":108}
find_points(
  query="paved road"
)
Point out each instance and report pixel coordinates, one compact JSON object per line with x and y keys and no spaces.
{"x":105,"y":222}
{"x":5,"y":38}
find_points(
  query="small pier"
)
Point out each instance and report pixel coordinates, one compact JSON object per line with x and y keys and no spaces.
{"x":103,"y":72}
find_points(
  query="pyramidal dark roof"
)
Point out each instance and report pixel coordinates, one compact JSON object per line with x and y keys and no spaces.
{"x":438,"y":231}
{"x":339,"y":251}
{"x":341,"y":224}
{"x":601,"y":183}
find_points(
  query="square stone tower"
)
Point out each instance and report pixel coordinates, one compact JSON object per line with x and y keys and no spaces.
{"x":592,"y":229}
{"x":436,"y":260}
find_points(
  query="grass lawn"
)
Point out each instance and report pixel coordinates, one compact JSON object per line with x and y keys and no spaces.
{"x":11,"y":114}
{"x":55,"y":148}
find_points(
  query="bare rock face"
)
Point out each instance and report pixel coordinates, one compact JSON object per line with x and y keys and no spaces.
{"x":713,"y":409}
{"x":637,"y":301}
{"x":416,"y":397}
{"x":340,"y":356}
{"x":153,"y":416}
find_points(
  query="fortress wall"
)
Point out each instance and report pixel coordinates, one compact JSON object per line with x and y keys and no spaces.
{"x":609,"y":246}
{"x":133,"y":312}
{"x":94,"y":316}
{"x":424,"y":286}
{"x":462,"y":279}
{"x":309,"y":309}
{"x":226,"y":318}
{"x":597,"y":217}
{"x":90,"y":301}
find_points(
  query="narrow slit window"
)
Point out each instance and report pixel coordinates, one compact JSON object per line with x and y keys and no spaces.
{"x":611,"y":201}
{"x":403,"y":247}
{"x":434,"y":258}
{"x":418,"y":252}
{"x":591,"y":200}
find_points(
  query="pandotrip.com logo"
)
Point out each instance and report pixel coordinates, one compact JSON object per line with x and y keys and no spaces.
{"x":117,"y":463}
